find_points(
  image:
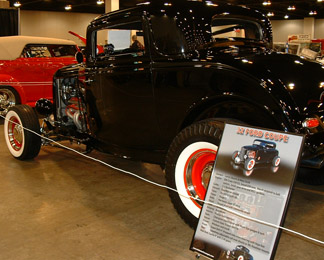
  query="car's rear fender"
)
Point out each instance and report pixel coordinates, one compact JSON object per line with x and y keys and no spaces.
{"x":236,"y":109}
{"x":249,"y":100}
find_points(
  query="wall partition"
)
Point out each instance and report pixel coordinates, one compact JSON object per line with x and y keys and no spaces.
{"x":9,"y":20}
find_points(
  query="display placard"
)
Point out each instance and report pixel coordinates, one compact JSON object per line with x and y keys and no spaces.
{"x":252,"y":180}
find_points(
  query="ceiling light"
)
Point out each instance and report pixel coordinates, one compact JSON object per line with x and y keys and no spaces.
{"x":68,"y":7}
{"x":291,"y":86}
{"x":320,"y":1}
{"x":17,"y":4}
{"x":270,"y":14}
{"x":100,"y":2}
{"x":145,"y":3}
{"x":312,"y":13}
{"x":291,"y":8}
{"x":210,"y":3}
{"x":266,"y":3}
{"x":286,"y":16}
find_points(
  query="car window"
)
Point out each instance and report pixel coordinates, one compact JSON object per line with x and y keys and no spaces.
{"x":120,"y":40}
{"x":235,"y":28}
{"x":62,"y":50}
{"x":168,"y":36}
{"x":47,"y":51}
{"x":35,"y":51}
{"x":177,"y":33}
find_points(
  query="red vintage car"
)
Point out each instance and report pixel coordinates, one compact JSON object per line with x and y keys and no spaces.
{"x":27,"y":65}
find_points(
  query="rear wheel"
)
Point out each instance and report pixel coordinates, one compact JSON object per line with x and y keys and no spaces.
{"x":189,"y":165}
{"x":22,"y":144}
{"x":276,"y":161}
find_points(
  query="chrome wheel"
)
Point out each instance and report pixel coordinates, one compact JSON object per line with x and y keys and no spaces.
{"x":7,"y":99}
{"x":15,"y":133}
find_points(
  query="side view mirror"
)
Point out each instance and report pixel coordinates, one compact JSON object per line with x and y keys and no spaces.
{"x":79,"y":57}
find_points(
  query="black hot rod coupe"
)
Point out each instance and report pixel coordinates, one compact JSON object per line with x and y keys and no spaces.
{"x":261,"y":151}
{"x":199,"y":64}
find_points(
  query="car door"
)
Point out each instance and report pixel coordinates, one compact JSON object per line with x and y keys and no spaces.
{"x":29,"y":72}
{"x":35,"y":70}
{"x":120,"y":86}
{"x":181,"y":81}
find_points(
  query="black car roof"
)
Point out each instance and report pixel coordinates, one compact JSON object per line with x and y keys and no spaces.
{"x":264,"y":141}
{"x":157,"y":6}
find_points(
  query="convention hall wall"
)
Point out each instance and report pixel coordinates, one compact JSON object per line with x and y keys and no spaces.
{"x":283,"y":28}
{"x":56,"y":24}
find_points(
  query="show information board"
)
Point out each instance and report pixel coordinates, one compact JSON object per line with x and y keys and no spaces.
{"x":253,"y":176}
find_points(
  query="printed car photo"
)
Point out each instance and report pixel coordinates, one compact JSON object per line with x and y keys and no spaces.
{"x":261,"y":151}
{"x":27,"y":66}
{"x":200,"y":66}
{"x":240,"y":253}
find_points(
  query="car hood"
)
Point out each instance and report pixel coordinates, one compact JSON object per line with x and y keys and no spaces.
{"x":73,"y":70}
{"x":303,"y":79}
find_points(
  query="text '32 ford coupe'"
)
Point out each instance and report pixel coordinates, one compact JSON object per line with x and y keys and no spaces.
{"x":199,"y":65}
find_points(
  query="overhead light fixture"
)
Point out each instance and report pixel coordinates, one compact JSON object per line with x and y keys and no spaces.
{"x":100,"y":2}
{"x":145,"y":3}
{"x":210,"y":3}
{"x":286,"y":16}
{"x":312,"y":13}
{"x":266,"y":3}
{"x":17,"y":4}
{"x":291,"y":8}
{"x":270,"y":14}
{"x":291,"y":86}
{"x":320,"y":1}
{"x":68,"y":7}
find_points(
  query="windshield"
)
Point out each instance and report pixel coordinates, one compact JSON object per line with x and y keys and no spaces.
{"x":176,"y":34}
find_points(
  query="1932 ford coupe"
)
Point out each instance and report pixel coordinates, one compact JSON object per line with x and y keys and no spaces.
{"x":200,"y":65}
{"x":261,"y":151}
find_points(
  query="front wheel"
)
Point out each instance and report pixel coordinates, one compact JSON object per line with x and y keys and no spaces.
{"x":189,"y":165}
{"x":22,"y":144}
{"x":249,"y":164}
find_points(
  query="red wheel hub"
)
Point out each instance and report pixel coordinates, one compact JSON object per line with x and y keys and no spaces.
{"x":15,"y":133}
{"x":197,"y":173}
